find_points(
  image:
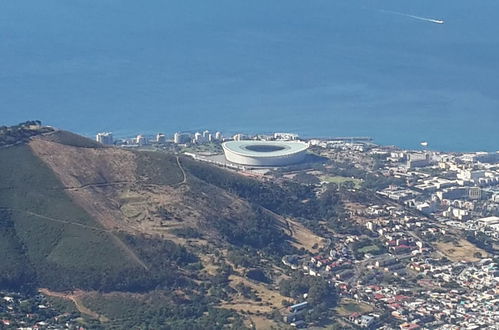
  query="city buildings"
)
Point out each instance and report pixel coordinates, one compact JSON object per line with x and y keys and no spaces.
{"x":181,"y":138}
{"x":160,"y":138}
{"x":104,"y":138}
{"x":425,"y":255}
{"x":285,"y":136}
{"x":141,"y":140}
{"x":240,"y":137}
{"x":198,"y":138}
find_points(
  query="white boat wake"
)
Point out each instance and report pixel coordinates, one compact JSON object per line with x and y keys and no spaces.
{"x":425,"y":19}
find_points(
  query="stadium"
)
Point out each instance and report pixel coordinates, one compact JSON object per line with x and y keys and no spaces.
{"x":265,"y":153}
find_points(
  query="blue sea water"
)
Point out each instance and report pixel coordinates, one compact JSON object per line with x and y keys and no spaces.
{"x":316,"y":67}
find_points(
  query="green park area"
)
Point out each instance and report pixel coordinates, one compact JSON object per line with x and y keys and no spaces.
{"x":350,"y":306}
{"x":373,"y":249}
{"x":339,"y":180}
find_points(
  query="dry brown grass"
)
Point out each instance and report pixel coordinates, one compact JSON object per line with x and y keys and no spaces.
{"x":460,"y":250}
{"x":106,"y":183}
{"x":271,"y":299}
{"x":262,"y":323}
{"x":303,"y":237}
{"x":208,"y":266}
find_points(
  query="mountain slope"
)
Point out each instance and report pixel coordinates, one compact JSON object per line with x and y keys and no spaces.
{"x":80,"y":215}
{"x":137,"y":192}
{"x":193,"y":244}
{"x":51,"y":229}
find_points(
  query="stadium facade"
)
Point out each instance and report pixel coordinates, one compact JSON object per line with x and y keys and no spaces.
{"x":265,"y":153}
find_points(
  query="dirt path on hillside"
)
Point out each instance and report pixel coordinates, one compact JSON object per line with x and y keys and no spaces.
{"x":99,"y":184}
{"x":183,"y":172}
{"x":61,"y":221}
{"x":75,"y":297}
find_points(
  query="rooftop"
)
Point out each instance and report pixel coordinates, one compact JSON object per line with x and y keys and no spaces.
{"x":265,"y":148}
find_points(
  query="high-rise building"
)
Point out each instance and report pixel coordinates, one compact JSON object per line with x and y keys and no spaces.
{"x":240,"y":137}
{"x":141,"y":140}
{"x":104,"y":138}
{"x":218,"y":136}
{"x":176,"y":138}
{"x":180,"y":138}
{"x":160,"y":138}
{"x":198,"y":137}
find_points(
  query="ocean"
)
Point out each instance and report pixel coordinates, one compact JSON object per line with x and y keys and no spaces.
{"x":318,"y":68}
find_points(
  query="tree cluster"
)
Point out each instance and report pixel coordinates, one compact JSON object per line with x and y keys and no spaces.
{"x":22,"y":132}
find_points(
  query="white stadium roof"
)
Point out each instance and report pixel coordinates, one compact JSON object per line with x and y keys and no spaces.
{"x":265,"y":153}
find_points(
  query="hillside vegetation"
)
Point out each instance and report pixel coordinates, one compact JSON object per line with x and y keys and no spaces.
{"x":49,"y":233}
{"x":21,"y":133}
{"x":145,"y":239}
{"x":289,"y":199}
{"x":62,"y":228}
{"x":72,"y":139}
